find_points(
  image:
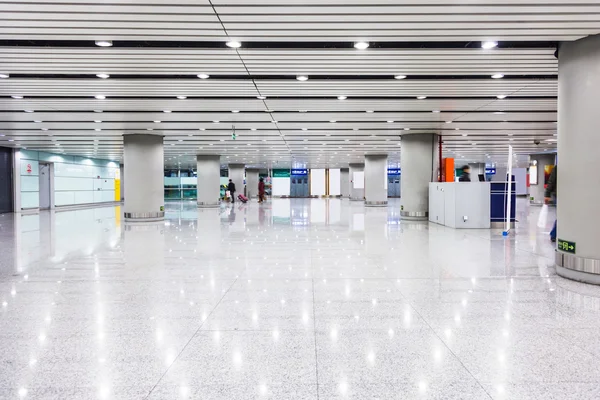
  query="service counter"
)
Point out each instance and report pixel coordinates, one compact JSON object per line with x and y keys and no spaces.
{"x":465,"y":205}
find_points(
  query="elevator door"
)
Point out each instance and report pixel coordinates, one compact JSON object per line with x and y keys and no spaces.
{"x":6,"y":183}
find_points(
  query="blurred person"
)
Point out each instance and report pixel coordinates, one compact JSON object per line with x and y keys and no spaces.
{"x":231,"y":188}
{"x":548,"y":195}
{"x":261,"y":190}
{"x":466,"y":174}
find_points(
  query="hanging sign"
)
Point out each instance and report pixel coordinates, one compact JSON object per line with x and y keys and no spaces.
{"x":490,"y":171}
{"x":281,"y":173}
{"x":394,"y":171}
{"x":299,"y":172}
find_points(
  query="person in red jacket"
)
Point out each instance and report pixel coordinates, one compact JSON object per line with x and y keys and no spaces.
{"x":261,"y":190}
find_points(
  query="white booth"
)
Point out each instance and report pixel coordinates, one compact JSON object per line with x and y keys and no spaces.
{"x":460,"y":204}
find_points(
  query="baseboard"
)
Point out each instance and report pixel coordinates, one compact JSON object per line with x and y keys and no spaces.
{"x":86,"y":206}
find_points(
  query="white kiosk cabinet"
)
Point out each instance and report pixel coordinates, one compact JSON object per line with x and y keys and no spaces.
{"x":460,"y":204}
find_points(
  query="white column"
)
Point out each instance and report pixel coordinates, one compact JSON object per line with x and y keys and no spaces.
{"x":236,"y":174}
{"x":251,"y":183}
{"x":418,"y":159}
{"x":144,"y":173}
{"x":376,"y":180}
{"x":357,"y":182}
{"x":208,"y":180}
{"x":578,"y":182}
{"x":345,"y":182}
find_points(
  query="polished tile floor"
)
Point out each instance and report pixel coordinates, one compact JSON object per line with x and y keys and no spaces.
{"x":293,"y":299}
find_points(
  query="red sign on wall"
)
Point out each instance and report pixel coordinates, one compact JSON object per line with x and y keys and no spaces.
{"x":28,"y":168}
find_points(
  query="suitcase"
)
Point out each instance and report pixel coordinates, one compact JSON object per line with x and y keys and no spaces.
{"x":242,"y":198}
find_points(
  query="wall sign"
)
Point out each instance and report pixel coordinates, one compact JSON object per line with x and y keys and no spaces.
{"x":29,"y":168}
{"x":490,"y":171}
{"x":281,"y":173}
{"x":394,"y":171}
{"x":299,"y":172}
{"x":566,"y":246}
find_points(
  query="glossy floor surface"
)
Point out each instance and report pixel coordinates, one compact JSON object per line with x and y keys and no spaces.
{"x":292,"y":299}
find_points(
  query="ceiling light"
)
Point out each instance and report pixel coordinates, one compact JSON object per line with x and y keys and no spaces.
{"x":4,"y":76}
{"x":16,"y":97}
{"x":28,"y":111}
{"x":149,"y":129}
{"x":497,"y":76}
{"x":37,"y":121}
{"x":98,"y":111}
{"x":103,"y":76}
{"x":100,"y":97}
{"x":421,"y":97}
{"x":104,"y":43}
{"x":369,"y":111}
{"x":235,"y":111}
{"x":57,"y":144}
{"x":304,"y":129}
{"x":203,"y":76}
{"x":407,"y":129}
{"x":302,"y":78}
{"x":464,"y":134}
{"x":202,"y":129}
{"x":501,"y":96}
{"x":274,"y":122}
{"x":157,"y":122}
{"x":97,"y":129}
{"x":473,"y":143}
{"x":390,"y":122}
{"x":252,"y":129}
{"x":342,"y":97}
{"x":261,"y":97}
{"x":448,"y":122}
{"x":97,"y":121}
{"x":488,"y":45}
{"x":166,"y":111}
{"x":399,"y":77}
{"x":436,"y":111}
{"x":44,"y":129}
{"x":182,"y":97}
{"x":333,"y":121}
{"x":234,"y":44}
{"x":361,"y":45}
{"x":216,"y":122}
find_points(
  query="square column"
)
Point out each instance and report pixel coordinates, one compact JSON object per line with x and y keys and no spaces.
{"x":236,"y":174}
{"x":376,"y":180}
{"x":208,"y":180}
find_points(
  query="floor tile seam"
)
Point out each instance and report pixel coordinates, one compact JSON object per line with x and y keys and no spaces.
{"x":190,"y":340}
{"x":449,"y":349}
{"x":574,"y":343}
{"x":315,"y":338}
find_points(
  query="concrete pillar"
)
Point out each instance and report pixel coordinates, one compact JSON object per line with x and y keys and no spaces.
{"x":252,"y":183}
{"x":536,"y":192}
{"x":236,"y":173}
{"x":419,"y":162}
{"x":357,"y":182}
{"x":345,"y":182}
{"x":376,"y":180}
{"x":208,"y":180}
{"x":578,"y":182}
{"x":144,"y":173}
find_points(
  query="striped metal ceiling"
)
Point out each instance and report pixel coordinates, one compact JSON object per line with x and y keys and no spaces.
{"x":159,"y":48}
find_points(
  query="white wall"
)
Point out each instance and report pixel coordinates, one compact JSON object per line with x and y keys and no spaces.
{"x":77,"y":180}
{"x":317,"y":182}
{"x":280,"y":186}
{"x":335,"y":182}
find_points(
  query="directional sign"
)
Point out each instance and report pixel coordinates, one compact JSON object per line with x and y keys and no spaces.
{"x":566,"y":246}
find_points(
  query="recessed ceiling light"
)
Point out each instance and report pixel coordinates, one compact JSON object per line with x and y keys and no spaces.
{"x":182,"y":97}
{"x":100,"y":96}
{"x":464,"y":134}
{"x":16,"y":97}
{"x":274,"y":122}
{"x":216,"y":122}
{"x":407,"y":129}
{"x":302,"y":78}
{"x":302,"y":111}
{"x":203,"y":76}
{"x":103,"y":76}
{"x":436,"y":111}
{"x":57,"y":144}
{"x":488,"y":45}
{"x":342,"y":97}
{"x":501,"y":96}
{"x":497,"y":76}
{"x":11,"y":140}
{"x":252,"y":129}
{"x":157,"y":122}
{"x":104,"y":43}
{"x":473,"y":143}
{"x":499,"y":113}
{"x":149,"y":129}
{"x":44,"y":129}
{"x":333,"y":121}
{"x":369,"y":111}
{"x":181,"y":140}
{"x":97,"y":121}
{"x":202,"y":129}
{"x":98,"y":111}
{"x":399,"y":77}
{"x":234,"y":44}
{"x":166,"y":111}
{"x":28,"y":111}
{"x":97,"y":129}
{"x":457,"y":129}
{"x":448,"y":122}
{"x":390,"y":121}
{"x":421,"y":97}
{"x":4,"y":76}
{"x":361,"y":45}
{"x":235,"y":111}
{"x":37,"y":121}
{"x":261,"y":97}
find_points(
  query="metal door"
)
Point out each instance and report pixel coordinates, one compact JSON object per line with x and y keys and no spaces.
{"x":44,"y":187}
{"x":391,"y":192}
{"x":397,"y":187}
{"x":305,"y":187}
{"x":293,"y":188}
{"x":6,"y":183}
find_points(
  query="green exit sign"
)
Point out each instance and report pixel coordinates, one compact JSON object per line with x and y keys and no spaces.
{"x":567,"y":247}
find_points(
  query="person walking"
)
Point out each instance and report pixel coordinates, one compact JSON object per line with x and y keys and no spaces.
{"x":261,"y":190}
{"x":548,"y":194}
{"x":231,"y":188}
{"x":466,"y":174}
